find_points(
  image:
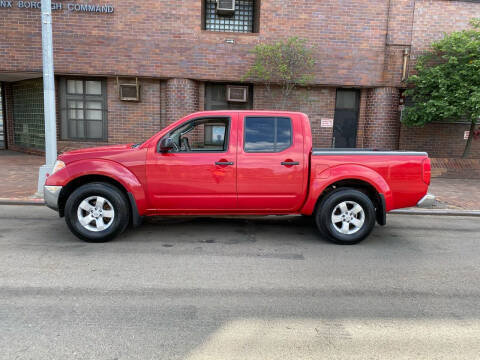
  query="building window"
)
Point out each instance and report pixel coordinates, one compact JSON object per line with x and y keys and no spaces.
{"x":216,"y":98}
{"x":83,"y":109}
{"x":244,"y":19}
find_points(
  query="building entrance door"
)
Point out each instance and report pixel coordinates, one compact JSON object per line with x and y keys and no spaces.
{"x":346,"y":118}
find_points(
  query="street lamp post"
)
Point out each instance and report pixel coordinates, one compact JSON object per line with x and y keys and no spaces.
{"x":48,"y":95}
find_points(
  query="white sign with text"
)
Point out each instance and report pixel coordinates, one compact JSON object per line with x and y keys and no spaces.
{"x":326,"y":123}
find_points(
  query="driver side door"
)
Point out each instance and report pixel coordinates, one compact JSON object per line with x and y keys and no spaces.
{"x":199,"y":174}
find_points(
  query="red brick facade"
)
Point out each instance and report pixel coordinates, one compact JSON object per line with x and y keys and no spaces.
{"x":317,"y":102}
{"x":357,"y":43}
{"x":382,"y":124}
{"x":182,"y":98}
{"x":434,"y":137}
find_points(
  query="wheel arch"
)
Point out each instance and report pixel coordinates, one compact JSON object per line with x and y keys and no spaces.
{"x":365,"y":187}
{"x":75,"y":183}
{"x":351,"y":176}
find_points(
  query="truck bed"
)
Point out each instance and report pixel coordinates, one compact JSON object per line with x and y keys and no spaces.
{"x":401,"y":173}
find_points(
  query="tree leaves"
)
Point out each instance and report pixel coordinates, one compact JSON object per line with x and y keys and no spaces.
{"x":287,"y":63}
{"x":447,"y":83}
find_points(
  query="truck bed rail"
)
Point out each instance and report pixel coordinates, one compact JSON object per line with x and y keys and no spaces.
{"x":354,"y":151}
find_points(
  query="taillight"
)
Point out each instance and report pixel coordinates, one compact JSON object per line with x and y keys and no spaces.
{"x":426,"y":171}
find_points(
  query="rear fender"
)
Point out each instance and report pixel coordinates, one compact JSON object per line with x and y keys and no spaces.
{"x":329,"y":176}
{"x":102,"y":167}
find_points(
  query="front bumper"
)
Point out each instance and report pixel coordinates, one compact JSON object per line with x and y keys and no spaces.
{"x":427,"y":201}
{"x":51,"y":194}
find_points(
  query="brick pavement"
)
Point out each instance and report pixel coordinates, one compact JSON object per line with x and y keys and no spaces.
{"x":463,"y":194}
{"x":20,"y":175}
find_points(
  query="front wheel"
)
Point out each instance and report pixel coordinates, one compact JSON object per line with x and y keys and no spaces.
{"x":97,"y":212}
{"x":346,"y":216}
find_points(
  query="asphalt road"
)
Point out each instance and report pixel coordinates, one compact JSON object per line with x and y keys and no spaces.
{"x":239,"y":289}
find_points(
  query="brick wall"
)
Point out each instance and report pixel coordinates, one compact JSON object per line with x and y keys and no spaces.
{"x":316,"y":102}
{"x":357,"y":43}
{"x":435,"y":17}
{"x":382,"y":122}
{"x":456,"y":168}
{"x":400,"y":19}
{"x":181,"y":98}
{"x":132,"y":121}
{"x":439,"y":140}
{"x":164,"y":39}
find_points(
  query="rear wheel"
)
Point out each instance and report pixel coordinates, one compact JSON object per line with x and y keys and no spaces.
{"x":346,"y":216}
{"x":97,"y":212}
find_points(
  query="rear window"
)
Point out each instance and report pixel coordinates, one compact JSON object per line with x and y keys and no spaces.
{"x":267,"y":134}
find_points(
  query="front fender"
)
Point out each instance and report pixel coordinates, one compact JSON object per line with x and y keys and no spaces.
{"x":106,"y":168}
{"x":329,"y":176}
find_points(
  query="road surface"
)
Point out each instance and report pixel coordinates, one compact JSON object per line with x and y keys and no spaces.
{"x":239,"y":289}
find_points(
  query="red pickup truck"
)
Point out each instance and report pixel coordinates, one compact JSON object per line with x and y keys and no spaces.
{"x":235,"y":163}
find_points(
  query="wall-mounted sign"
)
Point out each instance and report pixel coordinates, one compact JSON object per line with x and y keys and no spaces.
{"x":466,"y":134}
{"x":326,"y":123}
{"x":73,"y":7}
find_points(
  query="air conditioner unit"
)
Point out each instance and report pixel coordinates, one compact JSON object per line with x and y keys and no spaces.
{"x":225,"y":7}
{"x":129,"y":91}
{"x":237,"y":93}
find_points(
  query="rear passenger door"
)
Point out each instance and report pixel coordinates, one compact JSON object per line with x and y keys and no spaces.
{"x":270,"y":163}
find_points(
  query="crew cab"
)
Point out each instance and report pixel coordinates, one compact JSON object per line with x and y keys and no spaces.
{"x":235,"y":163}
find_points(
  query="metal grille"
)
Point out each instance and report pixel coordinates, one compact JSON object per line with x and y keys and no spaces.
{"x":28,"y":129}
{"x":240,"y":21}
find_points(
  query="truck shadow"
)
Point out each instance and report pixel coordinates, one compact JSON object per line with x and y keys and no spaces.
{"x":227,"y":230}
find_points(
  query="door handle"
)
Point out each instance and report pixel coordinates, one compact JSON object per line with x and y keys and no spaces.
{"x":224,"y":163}
{"x":290,"y":163}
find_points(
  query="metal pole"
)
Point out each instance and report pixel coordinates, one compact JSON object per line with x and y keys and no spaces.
{"x":48,"y":95}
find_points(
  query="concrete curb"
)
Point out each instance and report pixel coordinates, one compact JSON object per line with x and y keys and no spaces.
{"x":413,"y":211}
{"x":444,"y":212}
{"x":20,"y":201}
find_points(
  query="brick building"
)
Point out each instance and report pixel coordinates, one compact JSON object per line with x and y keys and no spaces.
{"x":184,"y":54}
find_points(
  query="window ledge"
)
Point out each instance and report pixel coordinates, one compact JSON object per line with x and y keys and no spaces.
{"x":230,"y":33}
{"x":86,"y":141}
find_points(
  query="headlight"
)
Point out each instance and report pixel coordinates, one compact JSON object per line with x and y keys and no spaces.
{"x":58,"y":166}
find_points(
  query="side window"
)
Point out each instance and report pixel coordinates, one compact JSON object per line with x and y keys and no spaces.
{"x":267,"y":134}
{"x":201,"y":135}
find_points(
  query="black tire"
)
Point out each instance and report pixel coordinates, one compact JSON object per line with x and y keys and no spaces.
{"x":116,"y":225}
{"x":348,"y":197}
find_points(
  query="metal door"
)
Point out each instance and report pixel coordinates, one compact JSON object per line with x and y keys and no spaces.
{"x":271,"y":163}
{"x":346,"y":118}
{"x":195,"y":180}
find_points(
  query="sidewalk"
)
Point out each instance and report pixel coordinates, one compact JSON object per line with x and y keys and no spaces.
{"x":460,"y":194}
{"x":20,"y":176}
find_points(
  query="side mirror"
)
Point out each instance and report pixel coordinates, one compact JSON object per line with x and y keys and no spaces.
{"x":165,"y":145}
